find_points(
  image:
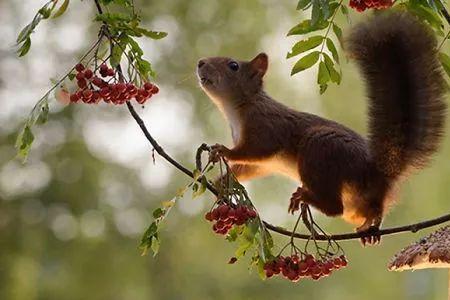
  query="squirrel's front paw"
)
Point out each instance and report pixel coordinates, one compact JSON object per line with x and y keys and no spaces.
{"x":217,"y":151}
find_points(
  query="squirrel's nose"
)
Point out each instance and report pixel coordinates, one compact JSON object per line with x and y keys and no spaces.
{"x":201,"y":63}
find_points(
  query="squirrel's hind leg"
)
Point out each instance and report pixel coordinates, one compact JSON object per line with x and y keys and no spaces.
{"x":372,"y":228}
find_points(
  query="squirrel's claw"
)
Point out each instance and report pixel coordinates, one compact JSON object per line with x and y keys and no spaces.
{"x":217,"y":151}
{"x":295,"y":200}
{"x":373,"y":236}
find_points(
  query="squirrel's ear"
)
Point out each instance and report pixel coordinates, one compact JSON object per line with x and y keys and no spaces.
{"x":260,"y":63}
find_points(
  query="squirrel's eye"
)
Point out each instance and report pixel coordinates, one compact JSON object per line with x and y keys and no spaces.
{"x":233,"y":65}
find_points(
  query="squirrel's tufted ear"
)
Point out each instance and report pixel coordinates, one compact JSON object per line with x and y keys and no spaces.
{"x":260,"y":63}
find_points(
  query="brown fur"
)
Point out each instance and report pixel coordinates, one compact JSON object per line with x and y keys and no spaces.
{"x":342,"y":173}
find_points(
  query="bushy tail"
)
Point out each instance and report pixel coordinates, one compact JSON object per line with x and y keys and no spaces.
{"x":398,"y":58}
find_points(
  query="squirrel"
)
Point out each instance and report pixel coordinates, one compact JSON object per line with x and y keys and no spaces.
{"x":340,"y":172}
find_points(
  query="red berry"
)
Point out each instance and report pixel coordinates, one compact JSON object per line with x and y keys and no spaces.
{"x":121,"y":87}
{"x":105,"y":92}
{"x":251,"y":213}
{"x":155,"y":90}
{"x":148,"y":86}
{"x":98,"y":82}
{"x":208,"y":216}
{"x":140,"y":99}
{"x":74,"y":98}
{"x":343,"y":260}
{"x":87,"y":93}
{"x":79,"y":76}
{"x":81,"y":83}
{"x":88,"y":73}
{"x":96,"y":97}
{"x":215,"y":214}
{"x":269,"y":273}
{"x":103,"y":68}
{"x":223,"y":211}
{"x":110,"y":72}
{"x":79,"y":67}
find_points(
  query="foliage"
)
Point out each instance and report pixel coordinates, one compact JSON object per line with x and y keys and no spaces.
{"x":323,"y":20}
{"x":117,"y":31}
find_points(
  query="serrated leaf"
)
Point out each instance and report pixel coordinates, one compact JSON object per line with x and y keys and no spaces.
{"x":156,"y":35}
{"x":45,"y":12}
{"x":155,"y":245}
{"x":261,"y":271}
{"x":43,"y":116}
{"x":305,"y":45}
{"x":427,"y":14}
{"x":338,"y":32}
{"x":316,"y":14}
{"x":240,"y":251}
{"x":23,"y":50}
{"x":158,"y":213}
{"x":445,"y":61}
{"x":62,"y":9}
{"x":333,"y":50}
{"x":24,"y":33}
{"x":306,"y":27}
{"x":305,"y":62}
{"x":202,"y":188}
{"x":335,"y":76}
{"x":303,"y":4}
{"x":323,"y":76}
{"x":325,"y":9}
{"x":24,"y":142}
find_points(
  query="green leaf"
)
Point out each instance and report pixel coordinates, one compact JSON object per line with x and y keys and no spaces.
{"x":117,"y":50}
{"x":158,"y":213}
{"x":325,"y":9}
{"x":427,"y":14}
{"x":202,"y":187}
{"x":445,"y":61}
{"x":156,"y":35}
{"x":43,"y":116}
{"x":62,"y":9}
{"x":316,"y":13}
{"x":261,"y":271}
{"x":335,"y":76}
{"x":305,"y":45}
{"x":155,"y":245}
{"x":305,"y":62}
{"x":303,"y":4}
{"x":306,"y":27}
{"x":24,"y":33}
{"x":338,"y":32}
{"x":323,"y":88}
{"x":333,"y":50}
{"x":45,"y":12}
{"x":23,"y":50}
{"x":323,"y":76}
{"x":24,"y":142}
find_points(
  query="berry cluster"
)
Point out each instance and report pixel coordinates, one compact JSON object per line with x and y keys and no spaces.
{"x":93,"y":89}
{"x":362,"y":5}
{"x":294,"y":268}
{"x":225,"y":216}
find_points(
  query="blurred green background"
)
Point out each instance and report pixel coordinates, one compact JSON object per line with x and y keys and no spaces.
{"x":71,"y":218}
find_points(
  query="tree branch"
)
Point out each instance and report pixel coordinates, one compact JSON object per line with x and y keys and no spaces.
{"x":338,"y":237}
{"x":345,"y":236}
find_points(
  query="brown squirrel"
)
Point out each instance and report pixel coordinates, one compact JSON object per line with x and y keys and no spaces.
{"x":342,"y":173}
